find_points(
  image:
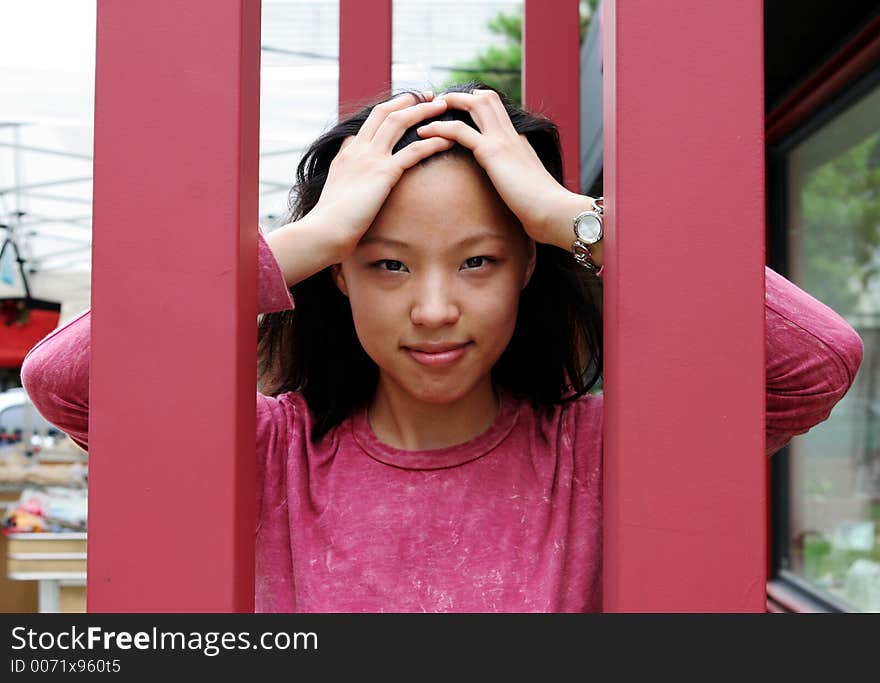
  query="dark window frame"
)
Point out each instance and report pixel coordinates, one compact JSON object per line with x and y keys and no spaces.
{"x":778,"y":259}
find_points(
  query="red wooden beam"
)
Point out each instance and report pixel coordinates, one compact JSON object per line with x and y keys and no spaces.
{"x":171,"y":483}
{"x":364,"y":52}
{"x":551,"y":73}
{"x":684,"y":374}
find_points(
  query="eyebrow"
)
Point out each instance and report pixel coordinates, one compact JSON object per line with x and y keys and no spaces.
{"x":467,"y":241}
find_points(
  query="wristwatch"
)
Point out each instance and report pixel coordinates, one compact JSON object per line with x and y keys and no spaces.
{"x":587,"y":231}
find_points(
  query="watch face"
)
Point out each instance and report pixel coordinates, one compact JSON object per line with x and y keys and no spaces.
{"x":589,"y":228}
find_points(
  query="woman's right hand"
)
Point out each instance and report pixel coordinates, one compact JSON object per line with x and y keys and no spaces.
{"x":364,"y":171}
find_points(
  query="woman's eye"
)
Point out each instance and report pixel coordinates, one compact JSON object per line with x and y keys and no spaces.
{"x":390,"y":264}
{"x":478,"y":261}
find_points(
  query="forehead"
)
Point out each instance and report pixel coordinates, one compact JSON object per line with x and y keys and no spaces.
{"x":443,"y":201}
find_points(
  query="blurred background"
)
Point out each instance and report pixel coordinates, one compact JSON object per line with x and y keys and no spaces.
{"x":822,"y":107}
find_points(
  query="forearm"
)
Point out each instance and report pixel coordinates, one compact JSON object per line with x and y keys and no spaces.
{"x":305,"y":247}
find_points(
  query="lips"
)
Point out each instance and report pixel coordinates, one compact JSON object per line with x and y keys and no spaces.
{"x":437,"y":354}
{"x":435,"y":347}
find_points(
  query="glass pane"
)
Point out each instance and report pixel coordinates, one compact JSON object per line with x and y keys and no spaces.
{"x":834,"y":247}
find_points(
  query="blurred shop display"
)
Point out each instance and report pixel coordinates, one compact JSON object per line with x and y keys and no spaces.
{"x":43,"y":474}
{"x":53,"y":509}
{"x":18,"y":417}
{"x":43,"y":511}
{"x":19,"y":471}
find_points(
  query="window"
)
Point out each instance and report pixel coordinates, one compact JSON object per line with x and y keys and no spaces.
{"x":827,"y":483}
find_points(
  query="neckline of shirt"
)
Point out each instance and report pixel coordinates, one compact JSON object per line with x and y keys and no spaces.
{"x":437,"y":458}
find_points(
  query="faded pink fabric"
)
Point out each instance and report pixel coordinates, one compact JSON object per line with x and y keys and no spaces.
{"x":509,"y":521}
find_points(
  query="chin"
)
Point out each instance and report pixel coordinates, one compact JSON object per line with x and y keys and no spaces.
{"x":437,"y":395}
{"x":440,"y":393}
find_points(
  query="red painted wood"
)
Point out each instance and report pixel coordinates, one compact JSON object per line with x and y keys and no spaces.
{"x":551,"y":73}
{"x":171,"y":490}
{"x":685,"y":497}
{"x":364,"y":52}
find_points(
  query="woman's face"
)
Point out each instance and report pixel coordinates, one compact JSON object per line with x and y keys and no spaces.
{"x":435,"y":282}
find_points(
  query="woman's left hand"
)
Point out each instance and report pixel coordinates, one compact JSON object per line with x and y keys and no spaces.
{"x":544,"y":207}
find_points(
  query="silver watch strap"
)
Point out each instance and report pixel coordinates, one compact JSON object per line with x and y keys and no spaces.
{"x":581,"y":249}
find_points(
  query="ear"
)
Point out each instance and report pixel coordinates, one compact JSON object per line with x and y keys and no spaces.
{"x":339,"y":278}
{"x":530,"y":264}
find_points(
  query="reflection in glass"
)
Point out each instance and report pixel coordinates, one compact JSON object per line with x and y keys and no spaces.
{"x":834,"y":253}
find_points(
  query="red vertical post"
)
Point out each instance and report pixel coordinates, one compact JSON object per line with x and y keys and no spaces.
{"x":551,"y":73}
{"x":171,"y":483}
{"x":364,"y":52}
{"x":684,"y":320}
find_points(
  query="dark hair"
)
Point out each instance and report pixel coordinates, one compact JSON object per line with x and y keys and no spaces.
{"x":554,"y":355}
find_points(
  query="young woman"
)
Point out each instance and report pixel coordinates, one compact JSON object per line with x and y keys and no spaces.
{"x":426,"y":439}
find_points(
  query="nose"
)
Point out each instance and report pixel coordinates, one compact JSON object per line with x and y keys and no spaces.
{"x":434,"y":304}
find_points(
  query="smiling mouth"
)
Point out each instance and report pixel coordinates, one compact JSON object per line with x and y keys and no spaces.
{"x":437,"y":355}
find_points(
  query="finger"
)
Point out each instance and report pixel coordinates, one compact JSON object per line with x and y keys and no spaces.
{"x":457,"y":131}
{"x":494,"y":106}
{"x":414,"y":152}
{"x":381,"y":111}
{"x":481,"y":108}
{"x":396,"y":123}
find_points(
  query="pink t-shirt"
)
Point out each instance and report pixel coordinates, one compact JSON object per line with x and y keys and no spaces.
{"x":508,"y":521}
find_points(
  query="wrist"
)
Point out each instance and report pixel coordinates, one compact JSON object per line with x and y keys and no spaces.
{"x":596,"y":255}
{"x":304,"y":247}
{"x":559,"y":222}
{"x":332,"y":240}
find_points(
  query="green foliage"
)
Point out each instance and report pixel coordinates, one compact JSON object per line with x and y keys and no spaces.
{"x":840,"y":231}
{"x":500,"y":66}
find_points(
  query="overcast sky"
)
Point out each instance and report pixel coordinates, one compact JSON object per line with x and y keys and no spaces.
{"x":48,"y":34}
